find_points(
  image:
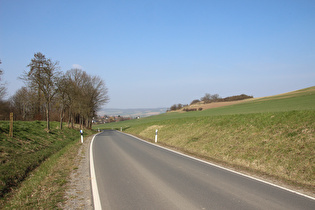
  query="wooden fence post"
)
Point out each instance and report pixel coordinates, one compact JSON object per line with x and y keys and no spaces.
{"x":11,"y":125}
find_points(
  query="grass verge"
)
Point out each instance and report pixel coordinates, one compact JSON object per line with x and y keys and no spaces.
{"x":27,"y":151}
{"x":45,"y":187}
{"x":280,"y":145}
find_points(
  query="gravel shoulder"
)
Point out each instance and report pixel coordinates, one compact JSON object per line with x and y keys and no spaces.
{"x":79,"y":194}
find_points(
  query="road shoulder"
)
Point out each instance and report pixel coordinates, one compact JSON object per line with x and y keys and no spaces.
{"x":78,"y":194}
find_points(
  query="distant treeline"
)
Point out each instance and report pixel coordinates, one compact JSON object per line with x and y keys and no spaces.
{"x":208,"y":98}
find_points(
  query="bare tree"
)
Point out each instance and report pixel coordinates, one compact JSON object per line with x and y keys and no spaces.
{"x":85,"y":94}
{"x":23,"y":103}
{"x":97,"y":96}
{"x":215,"y":97}
{"x":62,"y":98}
{"x":72,"y":90}
{"x":42,"y":76}
{"x":2,"y":86}
{"x":4,"y":105}
{"x":206,"y":98}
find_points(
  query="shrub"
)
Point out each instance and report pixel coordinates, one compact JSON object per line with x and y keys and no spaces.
{"x":176,"y":107}
{"x":195,"y":101}
{"x":237,"y":97}
{"x":189,"y":110}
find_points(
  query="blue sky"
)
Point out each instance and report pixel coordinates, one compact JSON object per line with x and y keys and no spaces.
{"x":161,"y":52}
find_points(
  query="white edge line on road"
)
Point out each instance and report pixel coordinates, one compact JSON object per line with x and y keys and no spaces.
{"x":95,"y":194}
{"x":212,"y":164}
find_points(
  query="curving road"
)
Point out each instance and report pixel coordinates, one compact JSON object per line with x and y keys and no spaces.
{"x":133,"y":174}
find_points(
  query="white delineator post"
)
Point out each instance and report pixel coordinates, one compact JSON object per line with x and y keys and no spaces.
{"x":156,"y":132}
{"x":81,"y":131}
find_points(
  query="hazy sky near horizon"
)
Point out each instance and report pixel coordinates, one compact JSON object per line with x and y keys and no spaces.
{"x":155,"y":53}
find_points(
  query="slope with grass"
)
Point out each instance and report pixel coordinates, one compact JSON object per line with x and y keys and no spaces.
{"x":272,"y":136}
{"x":29,"y":147}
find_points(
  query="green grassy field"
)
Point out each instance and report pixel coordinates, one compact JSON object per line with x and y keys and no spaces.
{"x":298,"y":100}
{"x":272,"y":136}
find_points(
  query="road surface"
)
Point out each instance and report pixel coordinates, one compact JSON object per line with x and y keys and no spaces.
{"x":132,"y":174}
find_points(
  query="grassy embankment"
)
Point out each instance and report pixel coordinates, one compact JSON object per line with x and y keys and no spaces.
{"x":271,"y":136}
{"x":35,"y":164}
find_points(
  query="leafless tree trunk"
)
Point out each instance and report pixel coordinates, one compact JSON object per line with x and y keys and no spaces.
{"x":42,"y":76}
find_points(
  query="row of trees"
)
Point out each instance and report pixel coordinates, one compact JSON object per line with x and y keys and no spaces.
{"x":208,"y":98}
{"x":175,"y":107}
{"x":50,"y":94}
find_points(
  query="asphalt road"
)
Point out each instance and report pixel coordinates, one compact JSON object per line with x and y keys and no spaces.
{"x":132,"y":174}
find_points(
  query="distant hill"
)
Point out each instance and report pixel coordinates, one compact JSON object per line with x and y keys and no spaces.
{"x":142,"y":112}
